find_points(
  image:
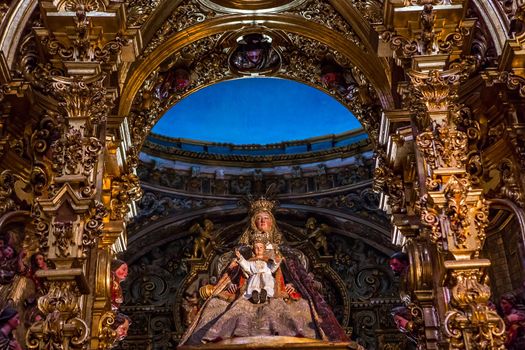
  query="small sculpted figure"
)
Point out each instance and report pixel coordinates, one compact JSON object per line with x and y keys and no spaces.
{"x":11,"y":263}
{"x":119,"y":272}
{"x":259,"y":269}
{"x":201,"y":241}
{"x":399,"y":263}
{"x":121,"y":326}
{"x":38,"y":262}
{"x":318,"y":235}
{"x":514,"y":322}
{"x":9,"y":322}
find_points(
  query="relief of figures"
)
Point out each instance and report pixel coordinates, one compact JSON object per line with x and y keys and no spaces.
{"x":254,"y":54}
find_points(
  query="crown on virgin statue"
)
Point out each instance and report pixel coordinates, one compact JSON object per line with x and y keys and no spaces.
{"x":262,"y":204}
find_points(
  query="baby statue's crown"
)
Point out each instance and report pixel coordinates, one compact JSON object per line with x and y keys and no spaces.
{"x":259,"y":238}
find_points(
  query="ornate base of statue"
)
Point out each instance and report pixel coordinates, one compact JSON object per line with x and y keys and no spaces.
{"x":273,"y":342}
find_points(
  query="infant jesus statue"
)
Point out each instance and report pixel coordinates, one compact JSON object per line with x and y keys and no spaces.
{"x":259,"y":269}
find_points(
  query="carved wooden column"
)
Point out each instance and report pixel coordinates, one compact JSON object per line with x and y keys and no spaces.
{"x":73,"y":218}
{"x":447,"y":278}
{"x":455,"y":212}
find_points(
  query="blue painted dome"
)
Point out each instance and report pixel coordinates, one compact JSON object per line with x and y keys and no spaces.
{"x":256,"y":111}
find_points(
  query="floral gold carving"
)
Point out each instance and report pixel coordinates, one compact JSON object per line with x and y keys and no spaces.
{"x":106,"y":334}
{"x":61,"y":328}
{"x":447,"y":149}
{"x":124,"y":190}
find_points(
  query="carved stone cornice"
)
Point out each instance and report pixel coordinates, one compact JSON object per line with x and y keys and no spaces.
{"x":251,"y":161}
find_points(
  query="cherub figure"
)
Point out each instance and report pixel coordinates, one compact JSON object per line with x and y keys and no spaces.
{"x":201,"y":241}
{"x":261,"y":283}
{"x":318,"y":235}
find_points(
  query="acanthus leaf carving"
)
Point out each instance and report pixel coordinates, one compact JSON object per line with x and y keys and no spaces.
{"x":444,"y":147}
{"x":124,"y":190}
{"x":62,"y":328}
{"x":93,"y":224}
{"x":386,"y":181}
{"x":188,"y":13}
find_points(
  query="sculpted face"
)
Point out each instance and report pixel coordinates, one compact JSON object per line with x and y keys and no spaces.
{"x":259,"y":249}
{"x":122,"y":272}
{"x":14,"y":321}
{"x":506,"y":306}
{"x":122,"y":330}
{"x":8,"y":252}
{"x":41,"y":262}
{"x":397,"y":266}
{"x":263,"y":222}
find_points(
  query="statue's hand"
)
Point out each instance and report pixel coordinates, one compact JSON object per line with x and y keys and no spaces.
{"x":232,"y":288}
{"x":289,"y":288}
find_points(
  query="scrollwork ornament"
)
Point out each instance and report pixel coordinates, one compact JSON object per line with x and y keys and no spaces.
{"x":472,"y":324}
{"x":61,"y":329}
{"x":188,"y":13}
{"x":94,"y":224}
{"x":454,"y":40}
{"x":325,"y":14}
{"x":124,"y":190}
{"x":403,"y":47}
{"x":513,"y":82}
{"x":386,"y":181}
{"x":74,"y":154}
{"x":42,"y":227}
{"x":443,"y":147}
{"x":139,"y":11}
{"x":107,"y":336}
{"x":111,"y":49}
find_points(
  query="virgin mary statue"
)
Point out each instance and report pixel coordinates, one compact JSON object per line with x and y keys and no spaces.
{"x":296,"y":311}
